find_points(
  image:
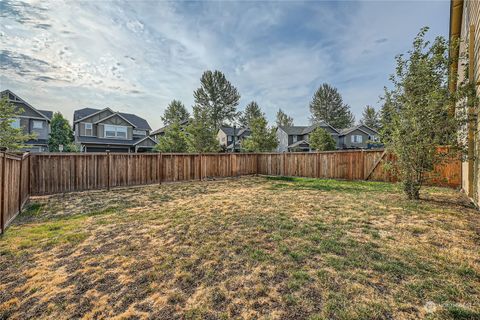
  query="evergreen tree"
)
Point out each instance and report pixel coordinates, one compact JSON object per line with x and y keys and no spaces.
{"x":11,"y":138}
{"x":217,"y":97}
{"x":61,"y":134}
{"x":174,"y":139}
{"x":283,"y":119}
{"x":321,"y":140}
{"x":327,"y":105}
{"x":262,"y":138}
{"x":370,"y":118}
{"x":201,"y":136}
{"x":417,"y":111}
{"x":252,"y":111}
{"x":175,"y":112}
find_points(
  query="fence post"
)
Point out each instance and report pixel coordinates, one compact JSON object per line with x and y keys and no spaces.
{"x":29,"y":172}
{"x":159,"y":168}
{"x":201,"y":178}
{"x":363,"y":165}
{"x":2,"y":196}
{"x":108,"y":170}
{"x":258,"y":162}
{"x":20,"y":187}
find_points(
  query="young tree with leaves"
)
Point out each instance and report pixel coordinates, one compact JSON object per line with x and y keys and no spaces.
{"x":201,"y":135}
{"x":174,"y":139}
{"x":327,"y":105}
{"x":370,"y":118}
{"x":417,"y":108}
{"x":283,"y":120}
{"x":262,"y":138}
{"x":321,"y":140}
{"x":61,"y":134}
{"x":11,"y":138}
{"x":252,"y":111}
{"x":217,"y":97}
{"x":175,"y":112}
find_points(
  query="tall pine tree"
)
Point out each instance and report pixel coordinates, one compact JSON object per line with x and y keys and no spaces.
{"x":217,"y":97}
{"x":262,"y":138}
{"x":327,"y":105}
{"x":370,"y":118}
{"x":174,"y":139}
{"x":252,"y":111}
{"x":201,"y":136}
{"x":283,"y":119}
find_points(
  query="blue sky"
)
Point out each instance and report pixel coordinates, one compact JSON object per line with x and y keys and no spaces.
{"x":137,"y":56}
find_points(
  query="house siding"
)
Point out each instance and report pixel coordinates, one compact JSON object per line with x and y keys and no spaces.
{"x":346,"y":140}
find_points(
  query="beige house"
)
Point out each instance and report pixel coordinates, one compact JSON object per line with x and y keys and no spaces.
{"x":465,"y":26}
{"x":100,"y":130}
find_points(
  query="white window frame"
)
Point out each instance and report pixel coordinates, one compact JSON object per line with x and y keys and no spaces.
{"x":139,"y":132}
{"x":86,"y":125}
{"x":15,"y":123}
{"x":116,"y":129}
{"x":229,"y":138}
{"x":356,"y":138}
{"x":295,"y":139}
{"x":36,"y":126}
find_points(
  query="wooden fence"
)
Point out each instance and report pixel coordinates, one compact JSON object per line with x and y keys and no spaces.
{"x":14,"y":186}
{"x":50,"y":173}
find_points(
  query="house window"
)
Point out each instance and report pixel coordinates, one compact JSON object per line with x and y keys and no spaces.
{"x":295,"y":139}
{"x":139,"y":132}
{"x":37,"y":124}
{"x":356,"y":138}
{"x":15,"y":123}
{"x":88,"y":129}
{"x":229,"y":138}
{"x":115,"y":131}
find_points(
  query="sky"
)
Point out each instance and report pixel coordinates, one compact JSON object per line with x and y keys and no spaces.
{"x":137,"y":56}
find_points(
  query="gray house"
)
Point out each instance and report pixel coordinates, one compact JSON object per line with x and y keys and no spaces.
{"x":295,"y":138}
{"x":358,"y":137}
{"x":226,"y":134}
{"x":99,"y":130}
{"x":155,"y":135}
{"x":32,"y":120}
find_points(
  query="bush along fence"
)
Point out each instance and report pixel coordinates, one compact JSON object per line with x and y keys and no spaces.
{"x":50,"y":173}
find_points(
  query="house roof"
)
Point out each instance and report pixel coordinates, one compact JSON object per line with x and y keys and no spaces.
{"x":298,"y":143}
{"x":360,"y":127}
{"x":44,"y":113}
{"x":138,"y":122}
{"x":162,"y":129}
{"x":238,"y":131}
{"x":301,"y":130}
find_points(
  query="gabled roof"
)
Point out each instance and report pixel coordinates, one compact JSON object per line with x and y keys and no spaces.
{"x":238,"y":131}
{"x":142,"y":139}
{"x":301,"y":130}
{"x":358,"y":127}
{"x":138,"y":122}
{"x":115,"y":114}
{"x":42,"y":113}
{"x":298,"y":143}
{"x":162,"y":129}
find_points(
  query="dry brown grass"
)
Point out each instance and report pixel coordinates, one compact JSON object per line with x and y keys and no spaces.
{"x":246,"y":248}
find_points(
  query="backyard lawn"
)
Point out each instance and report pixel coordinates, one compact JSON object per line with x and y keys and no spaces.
{"x":248,"y":248}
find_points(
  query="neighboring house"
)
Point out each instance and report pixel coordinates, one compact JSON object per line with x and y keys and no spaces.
{"x":100,"y":130}
{"x":226,"y":134}
{"x":295,"y":138}
{"x":155,"y":135}
{"x":31,"y":120}
{"x":358,"y":137}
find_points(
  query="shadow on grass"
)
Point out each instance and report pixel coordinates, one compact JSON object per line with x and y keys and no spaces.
{"x":331,"y":185}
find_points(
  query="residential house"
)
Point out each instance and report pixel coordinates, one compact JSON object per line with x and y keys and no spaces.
{"x":465,"y":29}
{"x":32,"y":120}
{"x":100,"y":130}
{"x":155,"y":135}
{"x":358,"y":137}
{"x":295,"y":138}
{"x":226,"y":134}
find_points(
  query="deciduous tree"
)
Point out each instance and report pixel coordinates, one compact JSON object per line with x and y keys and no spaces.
{"x":174,"y":139}
{"x":175,"y":112}
{"x":321,"y":140}
{"x":61,"y":134}
{"x":201,"y":135}
{"x":262,"y":138}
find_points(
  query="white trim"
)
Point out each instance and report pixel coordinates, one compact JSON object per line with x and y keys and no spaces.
{"x":147,"y":137}
{"x":90,"y":115}
{"x":116,"y":127}
{"x":85,"y":129}
{"x":37,"y":122}
{"x":118,"y":114}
